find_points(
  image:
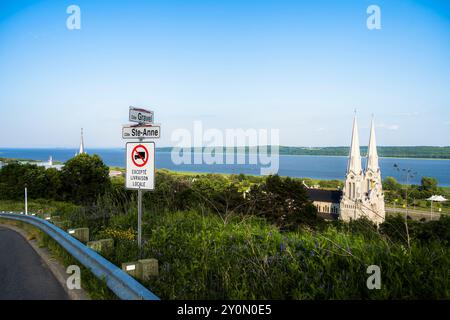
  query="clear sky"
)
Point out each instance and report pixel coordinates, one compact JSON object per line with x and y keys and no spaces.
{"x":299,"y":66}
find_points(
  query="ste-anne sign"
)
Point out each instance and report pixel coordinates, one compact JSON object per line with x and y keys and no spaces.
{"x":140,"y":173}
{"x":141,"y":132}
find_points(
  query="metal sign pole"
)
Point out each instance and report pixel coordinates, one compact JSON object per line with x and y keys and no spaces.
{"x":140,"y":222}
{"x":26,"y":201}
{"x":140,"y":219}
{"x":137,"y":159}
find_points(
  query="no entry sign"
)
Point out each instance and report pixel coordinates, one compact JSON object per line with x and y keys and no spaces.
{"x":140,"y":165}
{"x":139,"y":155}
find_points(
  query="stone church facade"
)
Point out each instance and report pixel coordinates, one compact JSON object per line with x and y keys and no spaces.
{"x":362,"y":194}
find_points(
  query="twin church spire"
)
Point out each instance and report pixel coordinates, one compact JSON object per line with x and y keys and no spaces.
{"x":354,"y":160}
{"x":363,"y":193}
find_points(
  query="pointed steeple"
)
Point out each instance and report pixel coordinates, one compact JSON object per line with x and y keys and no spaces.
{"x":354,"y":160}
{"x":372,"y":155}
{"x":81,"y":143}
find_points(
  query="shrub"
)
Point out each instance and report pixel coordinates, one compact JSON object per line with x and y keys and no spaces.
{"x":85,"y":178}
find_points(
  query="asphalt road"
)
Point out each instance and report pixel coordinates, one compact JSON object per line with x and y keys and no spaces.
{"x":416,"y":214}
{"x":23,"y":274}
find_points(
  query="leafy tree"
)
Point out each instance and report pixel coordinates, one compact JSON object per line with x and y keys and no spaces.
{"x":84,"y":178}
{"x":284,"y":202}
{"x":217,"y":193}
{"x":41,"y":183}
{"x":391,"y":184}
{"x":428,"y":186}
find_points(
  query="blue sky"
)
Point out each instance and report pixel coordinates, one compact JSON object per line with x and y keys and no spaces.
{"x":301,"y":67}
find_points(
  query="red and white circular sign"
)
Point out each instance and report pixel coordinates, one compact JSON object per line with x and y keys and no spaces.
{"x":140,"y":155}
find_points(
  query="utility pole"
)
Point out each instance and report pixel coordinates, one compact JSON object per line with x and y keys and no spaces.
{"x":26,"y":200}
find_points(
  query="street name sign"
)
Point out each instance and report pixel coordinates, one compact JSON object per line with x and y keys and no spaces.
{"x":141,"y":115}
{"x":140,"y":173}
{"x":141,"y":132}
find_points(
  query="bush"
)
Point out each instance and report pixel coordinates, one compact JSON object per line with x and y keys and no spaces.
{"x":85,"y":177}
{"x":41,"y":183}
{"x":284,"y":202}
{"x":420,"y":231}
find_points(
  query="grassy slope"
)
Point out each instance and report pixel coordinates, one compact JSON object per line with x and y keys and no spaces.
{"x":203,"y":256}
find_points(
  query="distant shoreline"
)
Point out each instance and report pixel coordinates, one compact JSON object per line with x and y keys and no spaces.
{"x":408,"y":152}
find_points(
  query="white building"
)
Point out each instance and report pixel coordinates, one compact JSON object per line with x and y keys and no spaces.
{"x":362,"y":195}
{"x":49,"y":164}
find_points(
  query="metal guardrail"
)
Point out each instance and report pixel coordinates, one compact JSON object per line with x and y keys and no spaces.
{"x":122,"y":284}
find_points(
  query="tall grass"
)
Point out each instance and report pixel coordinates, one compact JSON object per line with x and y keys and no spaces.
{"x":202,"y":258}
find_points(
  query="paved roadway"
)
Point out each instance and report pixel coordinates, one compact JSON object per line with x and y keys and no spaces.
{"x":23,"y":274}
{"x":416,"y":213}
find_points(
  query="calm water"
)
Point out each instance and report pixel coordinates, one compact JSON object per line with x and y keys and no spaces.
{"x":317,"y":167}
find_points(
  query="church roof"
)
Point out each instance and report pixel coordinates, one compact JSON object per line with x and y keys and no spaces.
{"x":333,"y":196}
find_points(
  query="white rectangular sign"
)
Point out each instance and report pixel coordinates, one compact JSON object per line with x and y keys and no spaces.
{"x":141,"y":115}
{"x":144,"y":132}
{"x":140,"y":173}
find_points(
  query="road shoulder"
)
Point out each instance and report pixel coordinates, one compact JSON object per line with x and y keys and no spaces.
{"x":56,"y":268}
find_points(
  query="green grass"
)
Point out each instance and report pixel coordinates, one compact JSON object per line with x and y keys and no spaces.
{"x":39,"y":205}
{"x":205,"y":256}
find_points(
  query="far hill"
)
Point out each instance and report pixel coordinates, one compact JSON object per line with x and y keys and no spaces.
{"x":426,"y":152}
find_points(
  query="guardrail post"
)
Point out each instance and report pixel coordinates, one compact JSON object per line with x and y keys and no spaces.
{"x":131,"y":268}
{"x":147,"y":268}
{"x":81,"y":234}
{"x":101,"y":245}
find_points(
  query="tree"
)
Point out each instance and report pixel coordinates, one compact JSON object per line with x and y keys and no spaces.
{"x":41,"y":183}
{"x":391,"y":184}
{"x":428,"y":184}
{"x":393,"y":189}
{"x":283,"y":201}
{"x":84,"y":178}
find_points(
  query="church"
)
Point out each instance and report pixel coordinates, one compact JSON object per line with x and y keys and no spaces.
{"x":362,"y":194}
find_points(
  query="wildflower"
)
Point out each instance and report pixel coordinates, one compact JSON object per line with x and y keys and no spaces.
{"x":282,"y":247}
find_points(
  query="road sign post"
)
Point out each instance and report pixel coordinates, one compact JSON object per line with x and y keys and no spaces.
{"x":140,"y":222}
{"x":140,"y":158}
{"x":26,"y":201}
